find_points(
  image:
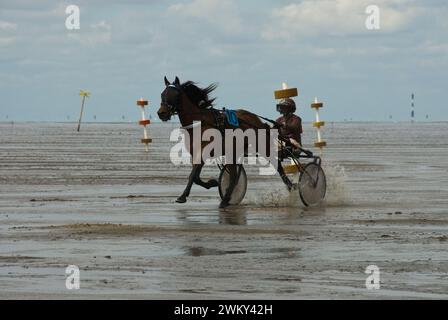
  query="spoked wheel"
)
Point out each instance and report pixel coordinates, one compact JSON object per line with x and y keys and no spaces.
{"x":239,"y":191}
{"x":312,"y":184}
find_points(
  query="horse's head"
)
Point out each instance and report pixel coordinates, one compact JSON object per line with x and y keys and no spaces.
{"x":171,"y":100}
{"x":184,"y":98}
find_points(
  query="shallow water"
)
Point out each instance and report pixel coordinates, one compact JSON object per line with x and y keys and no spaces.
{"x":97,"y":200}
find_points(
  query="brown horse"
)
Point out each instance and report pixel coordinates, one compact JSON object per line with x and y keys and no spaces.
{"x":192,"y":103}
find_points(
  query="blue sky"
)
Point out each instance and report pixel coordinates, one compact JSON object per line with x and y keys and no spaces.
{"x":124,"y":48}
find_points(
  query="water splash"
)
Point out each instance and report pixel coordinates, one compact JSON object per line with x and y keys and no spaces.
{"x":337,"y":190}
{"x":276,"y":196}
{"x":279,"y":196}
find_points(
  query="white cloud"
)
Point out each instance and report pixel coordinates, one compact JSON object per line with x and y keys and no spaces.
{"x":98,"y":33}
{"x":102,"y":25}
{"x":6,"y":41}
{"x":7,"y":30}
{"x":336,"y":17}
{"x":6,"y":26}
{"x":222,"y":14}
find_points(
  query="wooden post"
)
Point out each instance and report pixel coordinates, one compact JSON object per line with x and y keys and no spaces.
{"x":83,"y":94}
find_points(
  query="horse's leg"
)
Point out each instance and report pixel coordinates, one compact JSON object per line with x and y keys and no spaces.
{"x":212,"y":183}
{"x":283,"y":175}
{"x":233,"y":175}
{"x":207,"y":185}
{"x":193,"y":176}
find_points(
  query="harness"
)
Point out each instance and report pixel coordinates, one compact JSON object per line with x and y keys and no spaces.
{"x":221,"y":117}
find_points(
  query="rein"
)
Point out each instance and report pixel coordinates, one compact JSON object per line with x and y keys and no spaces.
{"x":179,"y":111}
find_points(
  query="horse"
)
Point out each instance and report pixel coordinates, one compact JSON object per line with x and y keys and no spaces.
{"x":192,"y":103}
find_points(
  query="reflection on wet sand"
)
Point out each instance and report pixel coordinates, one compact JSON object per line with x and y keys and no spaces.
{"x":233,"y":217}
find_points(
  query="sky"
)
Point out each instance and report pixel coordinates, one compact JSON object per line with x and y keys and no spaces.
{"x":123,"y":50}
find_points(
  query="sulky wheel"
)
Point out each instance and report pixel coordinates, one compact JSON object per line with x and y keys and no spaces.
{"x":241,"y":185}
{"x":312,"y":184}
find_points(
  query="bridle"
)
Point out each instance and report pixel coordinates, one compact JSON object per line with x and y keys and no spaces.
{"x":176,"y":108}
{"x":172,"y":109}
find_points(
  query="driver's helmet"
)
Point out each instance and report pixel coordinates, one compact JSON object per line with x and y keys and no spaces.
{"x":286,"y":106}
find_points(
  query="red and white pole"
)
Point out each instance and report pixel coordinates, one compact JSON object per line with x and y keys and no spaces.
{"x":144,"y":122}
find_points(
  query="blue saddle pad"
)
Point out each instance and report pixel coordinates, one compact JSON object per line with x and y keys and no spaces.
{"x":232,"y":119}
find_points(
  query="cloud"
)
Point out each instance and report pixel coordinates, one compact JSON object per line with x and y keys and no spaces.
{"x":220,"y":14}
{"x":6,"y":41}
{"x":28,"y":5}
{"x":7,"y":29}
{"x":336,"y":18}
{"x":6,"y":26}
{"x":102,"y":25}
{"x":321,"y":46}
{"x":98,"y":33}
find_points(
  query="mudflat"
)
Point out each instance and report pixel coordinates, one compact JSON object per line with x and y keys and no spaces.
{"x":97,"y":200}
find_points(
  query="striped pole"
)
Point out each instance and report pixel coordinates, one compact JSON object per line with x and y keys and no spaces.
{"x":144,"y":122}
{"x":318,"y":124}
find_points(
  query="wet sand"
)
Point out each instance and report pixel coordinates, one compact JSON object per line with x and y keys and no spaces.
{"x":98,"y":201}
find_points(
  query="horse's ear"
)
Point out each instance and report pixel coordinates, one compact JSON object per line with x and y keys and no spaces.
{"x":177,"y":81}
{"x":167,"y":83}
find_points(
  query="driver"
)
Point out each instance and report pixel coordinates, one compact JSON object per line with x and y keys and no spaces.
{"x":291,"y":124}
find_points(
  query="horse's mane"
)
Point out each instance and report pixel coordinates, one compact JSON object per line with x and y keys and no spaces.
{"x":199,"y":96}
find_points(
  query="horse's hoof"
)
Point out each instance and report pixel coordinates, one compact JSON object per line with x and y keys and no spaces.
{"x":181,"y":199}
{"x":224,"y":204}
